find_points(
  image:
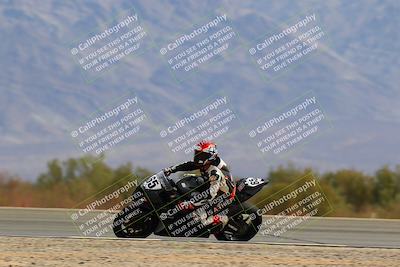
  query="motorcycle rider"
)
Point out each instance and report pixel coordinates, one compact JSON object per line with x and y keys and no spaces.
{"x":215,"y":170}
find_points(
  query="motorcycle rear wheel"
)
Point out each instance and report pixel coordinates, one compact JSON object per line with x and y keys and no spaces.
{"x":245,"y":231}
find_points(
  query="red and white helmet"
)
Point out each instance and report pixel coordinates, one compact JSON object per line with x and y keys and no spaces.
{"x":205,"y":151}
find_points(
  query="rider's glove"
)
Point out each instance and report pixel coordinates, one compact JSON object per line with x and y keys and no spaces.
{"x":168,"y":171}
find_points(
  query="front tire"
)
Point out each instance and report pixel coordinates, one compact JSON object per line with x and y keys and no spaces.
{"x":129,"y":224}
{"x":247,"y":224}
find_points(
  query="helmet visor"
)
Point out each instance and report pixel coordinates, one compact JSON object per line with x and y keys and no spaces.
{"x":201,"y":157}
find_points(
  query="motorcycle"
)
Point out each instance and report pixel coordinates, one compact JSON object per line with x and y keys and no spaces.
{"x":157,"y":207}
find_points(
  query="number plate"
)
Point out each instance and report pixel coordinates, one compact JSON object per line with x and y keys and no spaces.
{"x":252,"y":182}
{"x":152,"y":183}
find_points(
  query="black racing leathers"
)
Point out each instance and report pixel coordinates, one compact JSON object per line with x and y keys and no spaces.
{"x":216,"y":171}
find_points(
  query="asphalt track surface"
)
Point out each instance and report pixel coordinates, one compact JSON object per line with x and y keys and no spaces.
{"x":374,"y":233}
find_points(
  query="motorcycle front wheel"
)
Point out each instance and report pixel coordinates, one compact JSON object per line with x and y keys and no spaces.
{"x":138,"y":223}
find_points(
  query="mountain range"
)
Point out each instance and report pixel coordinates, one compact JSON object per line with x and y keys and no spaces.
{"x":354,"y":76}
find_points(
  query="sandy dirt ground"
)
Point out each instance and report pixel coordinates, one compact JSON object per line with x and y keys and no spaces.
{"x":24,"y":251}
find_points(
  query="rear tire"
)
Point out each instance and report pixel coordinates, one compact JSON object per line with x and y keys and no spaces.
{"x":127,"y":225}
{"x":246,"y":231}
